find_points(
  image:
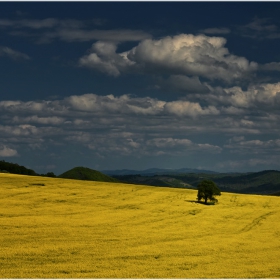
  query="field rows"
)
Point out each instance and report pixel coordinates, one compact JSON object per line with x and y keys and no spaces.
{"x":59,"y":228}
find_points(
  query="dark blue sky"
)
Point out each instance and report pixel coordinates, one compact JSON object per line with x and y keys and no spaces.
{"x":112,"y":85}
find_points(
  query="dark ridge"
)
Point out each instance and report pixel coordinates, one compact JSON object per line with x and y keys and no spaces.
{"x":14,"y":168}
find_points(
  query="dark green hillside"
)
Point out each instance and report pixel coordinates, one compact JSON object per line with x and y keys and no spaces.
{"x":84,"y":173}
{"x":264,"y":182}
{"x":156,"y":180}
{"x":267,"y":181}
{"x":14,"y":168}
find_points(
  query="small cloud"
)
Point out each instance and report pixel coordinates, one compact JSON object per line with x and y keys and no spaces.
{"x":222,"y":30}
{"x":7,"y":152}
{"x":260,"y":28}
{"x":99,"y":21}
{"x":175,"y":145}
{"x":245,"y":164}
{"x":261,"y":25}
{"x":184,"y":84}
{"x":69,"y":30}
{"x":272,"y":66}
{"x":20,"y":13}
{"x":40,"y":120}
{"x":186,"y":108}
{"x":29,"y":23}
{"x":15,"y":55}
{"x":255,"y":146}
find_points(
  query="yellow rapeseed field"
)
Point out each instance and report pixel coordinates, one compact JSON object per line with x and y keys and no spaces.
{"x":58,"y":228}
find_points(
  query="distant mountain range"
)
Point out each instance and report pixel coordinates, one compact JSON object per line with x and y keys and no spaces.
{"x":156,"y":171}
{"x":265,"y":182}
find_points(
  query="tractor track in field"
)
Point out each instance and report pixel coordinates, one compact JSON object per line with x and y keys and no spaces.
{"x":256,"y":222}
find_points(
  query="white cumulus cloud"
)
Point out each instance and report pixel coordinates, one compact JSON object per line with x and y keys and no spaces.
{"x":255,"y":94}
{"x":184,"y":54}
{"x":186,"y":108}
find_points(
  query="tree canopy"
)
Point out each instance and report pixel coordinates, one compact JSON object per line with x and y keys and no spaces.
{"x":207,"y":190}
{"x":14,"y":168}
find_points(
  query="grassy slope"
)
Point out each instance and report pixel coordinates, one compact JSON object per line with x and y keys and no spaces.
{"x":59,"y":228}
{"x":84,"y":173}
{"x":258,"y":181}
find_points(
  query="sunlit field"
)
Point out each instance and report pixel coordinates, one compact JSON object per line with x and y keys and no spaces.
{"x":59,"y":228}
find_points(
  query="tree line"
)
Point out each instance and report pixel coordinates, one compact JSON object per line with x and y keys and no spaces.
{"x":14,"y":168}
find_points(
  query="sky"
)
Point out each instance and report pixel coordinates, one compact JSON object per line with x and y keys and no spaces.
{"x":137,"y":85}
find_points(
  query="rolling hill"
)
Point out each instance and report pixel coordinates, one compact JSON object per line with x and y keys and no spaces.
{"x":84,"y":173}
{"x":264,"y":182}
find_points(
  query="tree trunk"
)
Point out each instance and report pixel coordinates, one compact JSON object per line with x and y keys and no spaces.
{"x":206,"y":199}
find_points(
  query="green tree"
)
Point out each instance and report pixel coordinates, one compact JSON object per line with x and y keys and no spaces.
{"x":50,"y":174}
{"x":207,"y":190}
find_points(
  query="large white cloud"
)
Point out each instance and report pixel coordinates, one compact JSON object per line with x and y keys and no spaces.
{"x":263,"y":98}
{"x":263,"y":94}
{"x":104,"y":58}
{"x":184,"y":54}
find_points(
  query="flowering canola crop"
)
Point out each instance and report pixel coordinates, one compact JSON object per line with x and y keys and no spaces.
{"x":59,"y":228}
